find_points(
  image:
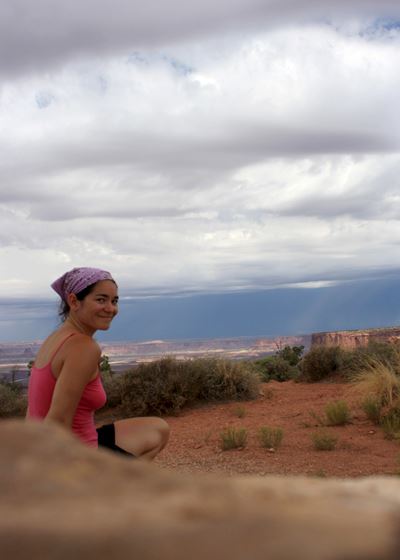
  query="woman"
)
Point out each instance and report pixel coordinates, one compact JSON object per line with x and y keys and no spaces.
{"x":65,"y":385}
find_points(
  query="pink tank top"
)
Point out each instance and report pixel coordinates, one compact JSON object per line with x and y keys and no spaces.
{"x":40,"y":393}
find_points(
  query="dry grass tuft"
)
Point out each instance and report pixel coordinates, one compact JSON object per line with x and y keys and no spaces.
{"x":323,"y":441}
{"x":233,"y":438}
{"x":271,"y":438}
{"x":337,"y":413}
{"x":379,"y":381}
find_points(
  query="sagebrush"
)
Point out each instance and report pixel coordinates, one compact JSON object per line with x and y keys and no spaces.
{"x":321,"y":362}
{"x":165,"y":386}
{"x":12,"y":401}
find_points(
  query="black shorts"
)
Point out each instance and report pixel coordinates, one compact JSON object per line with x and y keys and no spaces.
{"x":106,"y":437}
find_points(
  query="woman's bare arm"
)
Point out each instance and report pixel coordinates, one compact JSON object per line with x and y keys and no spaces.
{"x":79,"y":367}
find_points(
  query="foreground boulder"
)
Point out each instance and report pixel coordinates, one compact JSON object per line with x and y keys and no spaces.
{"x":60,"y":500}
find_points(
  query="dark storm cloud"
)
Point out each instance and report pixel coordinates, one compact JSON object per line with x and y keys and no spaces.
{"x":44,"y":33}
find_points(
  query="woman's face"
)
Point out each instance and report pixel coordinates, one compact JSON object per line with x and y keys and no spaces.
{"x":98,"y":308}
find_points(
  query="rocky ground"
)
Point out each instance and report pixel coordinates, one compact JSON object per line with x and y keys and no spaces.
{"x":361,"y":448}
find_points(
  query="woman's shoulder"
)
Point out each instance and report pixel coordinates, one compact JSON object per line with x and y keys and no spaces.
{"x":65,"y":343}
{"x":82,"y":341}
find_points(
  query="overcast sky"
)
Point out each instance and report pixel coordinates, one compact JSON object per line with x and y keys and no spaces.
{"x":199,"y":147}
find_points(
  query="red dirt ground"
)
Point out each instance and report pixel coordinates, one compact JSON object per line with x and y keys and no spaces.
{"x":361,"y":449}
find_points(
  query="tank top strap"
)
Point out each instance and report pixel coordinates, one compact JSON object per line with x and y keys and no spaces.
{"x":59,"y":346}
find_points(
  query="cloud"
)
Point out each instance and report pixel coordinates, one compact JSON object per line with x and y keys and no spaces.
{"x":46,"y":33}
{"x":187,"y":159}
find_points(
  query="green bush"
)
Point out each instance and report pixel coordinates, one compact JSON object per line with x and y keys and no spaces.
{"x":291,"y":354}
{"x":276,"y":368}
{"x":321,"y":362}
{"x":337,"y":413}
{"x":271,"y":438}
{"x":167,"y":385}
{"x":233,"y":438}
{"x":105,"y":366}
{"x":12,"y":401}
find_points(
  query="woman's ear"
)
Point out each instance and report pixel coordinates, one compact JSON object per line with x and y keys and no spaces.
{"x":73,"y":302}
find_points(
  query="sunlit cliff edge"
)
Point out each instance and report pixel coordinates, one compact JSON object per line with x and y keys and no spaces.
{"x":355,"y":339}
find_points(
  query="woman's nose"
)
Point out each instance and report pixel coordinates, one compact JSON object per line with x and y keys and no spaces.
{"x":109,"y":306}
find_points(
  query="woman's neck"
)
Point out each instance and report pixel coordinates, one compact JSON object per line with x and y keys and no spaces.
{"x":73,"y":324}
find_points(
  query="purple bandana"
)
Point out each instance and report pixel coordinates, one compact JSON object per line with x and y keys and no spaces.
{"x":78,"y":279}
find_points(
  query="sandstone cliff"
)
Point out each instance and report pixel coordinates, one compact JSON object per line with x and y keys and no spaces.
{"x":354,"y":339}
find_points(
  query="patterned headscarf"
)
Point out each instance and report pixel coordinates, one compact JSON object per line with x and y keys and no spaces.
{"x":78,"y":279}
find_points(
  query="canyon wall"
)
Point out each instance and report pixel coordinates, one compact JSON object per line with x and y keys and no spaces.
{"x":350,"y":340}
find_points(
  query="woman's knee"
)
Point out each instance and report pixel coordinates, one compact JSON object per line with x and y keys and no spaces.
{"x":163,"y":430}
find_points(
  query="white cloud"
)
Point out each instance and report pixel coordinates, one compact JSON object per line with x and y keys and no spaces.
{"x":249,"y":160}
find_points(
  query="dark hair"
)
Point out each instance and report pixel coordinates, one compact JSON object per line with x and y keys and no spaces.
{"x":64,"y":305}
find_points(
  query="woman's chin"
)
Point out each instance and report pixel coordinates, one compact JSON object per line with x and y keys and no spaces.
{"x":103,"y":325}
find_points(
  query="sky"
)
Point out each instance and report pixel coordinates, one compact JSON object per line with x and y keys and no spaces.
{"x":213,"y":156}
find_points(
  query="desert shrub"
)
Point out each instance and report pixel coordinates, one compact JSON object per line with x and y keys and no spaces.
{"x":113,"y":387}
{"x":372,"y":408}
{"x":337,"y":413}
{"x":378,"y":383}
{"x":291,"y":354}
{"x":360,"y":359}
{"x":159,"y":387}
{"x":167,"y":385}
{"x":12,"y":400}
{"x":377,"y":380}
{"x":323,"y":441}
{"x":271,"y":438}
{"x":224,"y":380}
{"x":321,"y":362}
{"x":104,"y":364}
{"x":276,"y":368}
{"x":391,"y":424}
{"x":385,"y":352}
{"x":233,"y":438}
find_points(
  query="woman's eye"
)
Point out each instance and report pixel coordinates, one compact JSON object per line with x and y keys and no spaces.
{"x":101,"y":300}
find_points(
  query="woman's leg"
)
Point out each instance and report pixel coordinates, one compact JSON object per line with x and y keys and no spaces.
{"x":143,"y":437}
